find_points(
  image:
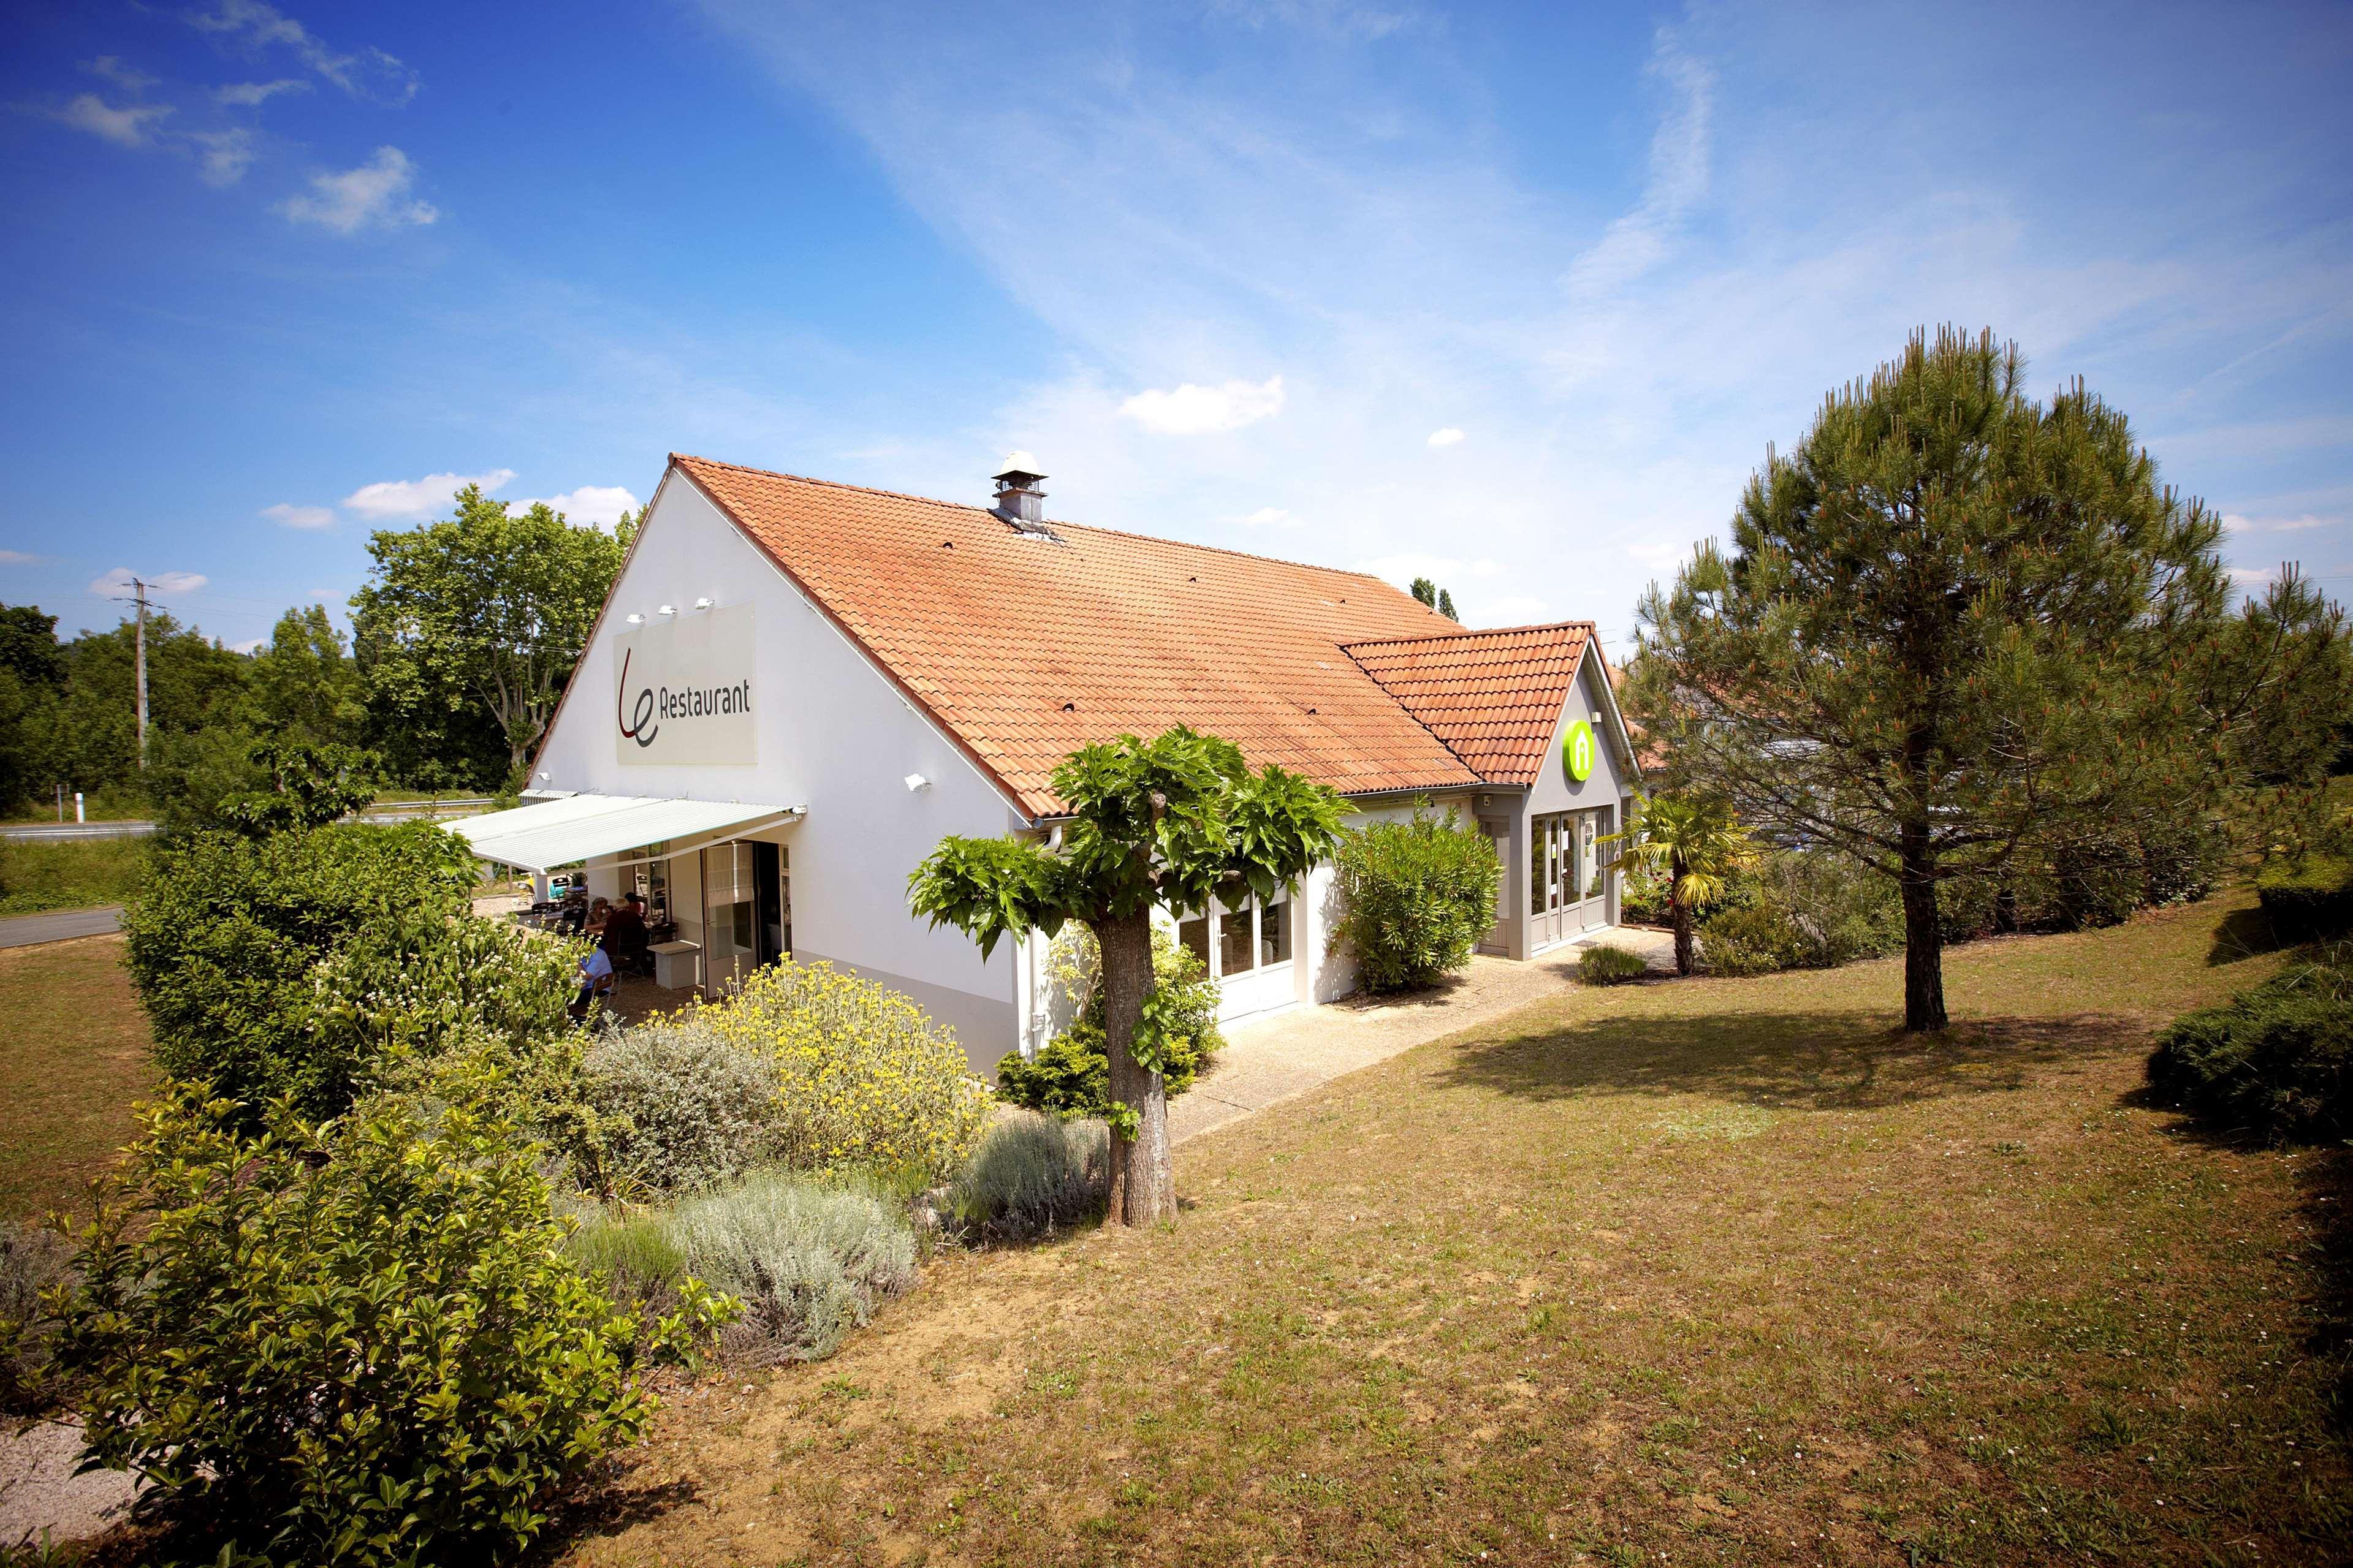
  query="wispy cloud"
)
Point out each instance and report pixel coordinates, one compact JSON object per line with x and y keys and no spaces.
{"x":1639,"y":241}
{"x":222,"y":156}
{"x":293,"y":516}
{"x":1190,"y":410}
{"x":253,"y":94}
{"x":1270,"y":517}
{"x":117,"y":582}
{"x":127,"y":126}
{"x":376,"y":194}
{"x":389,"y":500}
{"x":258,"y":28}
{"x":1448,"y":437}
{"x":17,"y":558}
{"x":111,"y":68}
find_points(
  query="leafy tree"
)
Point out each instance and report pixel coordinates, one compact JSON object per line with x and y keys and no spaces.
{"x":310,"y":786}
{"x":304,"y":688}
{"x":1437,"y":598}
{"x":1153,"y":825}
{"x":485,"y":610}
{"x":1694,"y":845}
{"x":28,"y":646}
{"x":1953,"y":617}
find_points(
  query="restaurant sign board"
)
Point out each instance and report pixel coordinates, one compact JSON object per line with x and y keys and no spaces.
{"x":684,"y":691}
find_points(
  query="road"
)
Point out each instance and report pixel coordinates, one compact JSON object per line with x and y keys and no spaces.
{"x":50,"y":832}
{"x":59,"y":925}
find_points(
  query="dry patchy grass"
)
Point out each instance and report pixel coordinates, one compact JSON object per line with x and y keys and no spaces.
{"x":73,"y":1057}
{"x":1719,"y":1271}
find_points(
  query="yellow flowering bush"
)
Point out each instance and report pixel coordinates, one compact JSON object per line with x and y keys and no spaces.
{"x":866,"y":1079}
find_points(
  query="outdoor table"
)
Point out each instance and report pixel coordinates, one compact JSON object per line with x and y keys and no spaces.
{"x":674,"y":964}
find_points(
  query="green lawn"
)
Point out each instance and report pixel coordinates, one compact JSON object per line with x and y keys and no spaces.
{"x":73,"y":1057}
{"x":1702,"y":1271}
{"x":70,"y":875}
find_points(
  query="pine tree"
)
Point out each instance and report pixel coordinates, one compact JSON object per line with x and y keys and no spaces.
{"x":1445,"y":605}
{"x":1951,"y":616}
{"x":1426,"y":591}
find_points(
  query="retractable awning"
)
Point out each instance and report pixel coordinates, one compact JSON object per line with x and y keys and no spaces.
{"x":584,"y":826}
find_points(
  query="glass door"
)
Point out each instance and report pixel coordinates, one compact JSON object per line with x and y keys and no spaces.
{"x":1552,"y":879}
{"x":731,"y":941}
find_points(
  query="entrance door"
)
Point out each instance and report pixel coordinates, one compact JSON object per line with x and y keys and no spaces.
{"x":1549,"y":880}
{"x":769,"y":888}
{"x":1499,"y":840}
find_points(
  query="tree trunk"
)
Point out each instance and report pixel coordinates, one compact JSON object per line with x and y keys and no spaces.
{"x":1924,"y":934}
{"x":1681,"y":919}
{"x":1142,"y":1184}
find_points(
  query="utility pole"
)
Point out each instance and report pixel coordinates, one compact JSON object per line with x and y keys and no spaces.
{"x":140,"y":656}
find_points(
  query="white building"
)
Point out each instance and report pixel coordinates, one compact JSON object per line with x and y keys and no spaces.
{"x":796,"y":689}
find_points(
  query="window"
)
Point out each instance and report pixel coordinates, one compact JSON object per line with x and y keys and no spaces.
{"x":1237,"y":943}
{"x":1536,"y":835}
{"x":1193,"y":935}
{"x":1274,"y":931}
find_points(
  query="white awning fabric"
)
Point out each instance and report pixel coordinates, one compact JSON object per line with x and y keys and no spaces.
{"x":584,"y":826}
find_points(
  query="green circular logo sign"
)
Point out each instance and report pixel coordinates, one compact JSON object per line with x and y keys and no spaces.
{"x":1576,"y":751}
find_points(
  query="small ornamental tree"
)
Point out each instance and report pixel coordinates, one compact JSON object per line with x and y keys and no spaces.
{"x":1954,"y":617}
{"x":1153,"y":825}
{"x":1693,"y":846}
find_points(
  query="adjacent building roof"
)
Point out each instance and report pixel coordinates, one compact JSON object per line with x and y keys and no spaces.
{"x":1024,"y":646}
{"x":1494,"y":696}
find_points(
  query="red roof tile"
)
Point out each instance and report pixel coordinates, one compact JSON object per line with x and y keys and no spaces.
{"x":1024,"y":649}
{"x":1492,"y":697}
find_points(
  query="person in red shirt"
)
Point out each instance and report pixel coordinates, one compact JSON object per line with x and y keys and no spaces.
{"x":624,"y":938}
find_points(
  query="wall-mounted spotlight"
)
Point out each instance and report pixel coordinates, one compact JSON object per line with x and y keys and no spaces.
{"x":703,"y":603}
{"x":637,"y":620}
{"x":667,"y":610}
{"x":916,"y":782}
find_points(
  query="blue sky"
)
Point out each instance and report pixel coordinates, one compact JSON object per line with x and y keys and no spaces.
{"x":1517,"y":296}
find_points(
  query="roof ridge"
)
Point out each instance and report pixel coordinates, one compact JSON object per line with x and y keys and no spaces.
{"x":1470,"y":632}
{"x":1057,"y":522}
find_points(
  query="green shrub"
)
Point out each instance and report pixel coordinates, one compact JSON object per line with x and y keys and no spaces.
{"x":865,"y":1080}
{"x":810,"y":1259}
{"x":362,"y":1343}
{"x":1602,"y":965}
{"x":2307,"y":898}
{"x":1416,"y":896}
{"x":225,"y":937}
{"x":1804,"y":909}
{"x":1641,"y":895}
{"x":2276,"y":1059}
{"x":680,"y":1106}
{"x":1034,"y":1175}
{"x":1071,"y":1076}
{"x":33,"y":1261}
{"x":1754,"y":939}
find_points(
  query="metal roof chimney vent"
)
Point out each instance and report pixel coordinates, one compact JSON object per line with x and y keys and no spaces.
{"x":1020,"y":502}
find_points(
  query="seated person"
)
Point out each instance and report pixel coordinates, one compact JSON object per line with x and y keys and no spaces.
{"x":574,"y":914}
{"x":596,"y":980}
{"x":599,"y":912}
{"x":625,"y":934}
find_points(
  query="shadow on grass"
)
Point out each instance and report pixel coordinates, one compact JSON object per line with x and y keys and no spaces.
{"x":1799,"y":1060}
{"x":2325,"y":1187}
{"x":607,"y":1503}
{"x":2244,"y":933}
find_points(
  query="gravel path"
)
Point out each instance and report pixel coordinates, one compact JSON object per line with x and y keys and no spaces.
{"x":39,"y":1491}
{"x":1269,"y":1060}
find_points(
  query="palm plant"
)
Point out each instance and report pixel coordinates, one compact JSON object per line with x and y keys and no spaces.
{"x":1696,"y":843}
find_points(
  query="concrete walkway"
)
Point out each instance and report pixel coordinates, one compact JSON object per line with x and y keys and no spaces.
{"x":59,"y":925}
{"x":1269,"y":1060}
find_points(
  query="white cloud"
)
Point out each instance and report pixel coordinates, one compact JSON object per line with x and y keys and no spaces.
{"x":1270,"y":517}
{"x":125,"y":127}
{"x":17,"y":558}
{"x":1659,"y":555}
{"x":2234,"y":523}
{"x":1443,"y":570}
{"x":249,"y":646}
{"x":294,"y":516}
{"x":1191,"y":410}
{"x":374,"y":196}
{"x":222,"y":156}
{"x":253,"y":94}
{"x":1508,"y":610}
{"x":393,"y":498}
{"x":366,"y":73}
{"x":111,"y":68}
{"x":117,"y":584}
{"x":601,"y":504}
{"x":1446,"y":437}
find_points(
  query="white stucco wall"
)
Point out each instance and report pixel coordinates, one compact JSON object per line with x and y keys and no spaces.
{"x":834,"y":736}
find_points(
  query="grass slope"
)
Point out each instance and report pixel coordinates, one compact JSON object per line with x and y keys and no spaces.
{"x":74,"y":874}
{"x":73,"y":1057}
{"x":1720,"y":1271}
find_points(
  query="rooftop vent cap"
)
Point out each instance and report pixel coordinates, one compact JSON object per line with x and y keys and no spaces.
{"x":1020,"y":502}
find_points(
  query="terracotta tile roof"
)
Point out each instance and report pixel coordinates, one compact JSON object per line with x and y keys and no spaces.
{"x":1492,"y":697}
{"x":1024,"y":649}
